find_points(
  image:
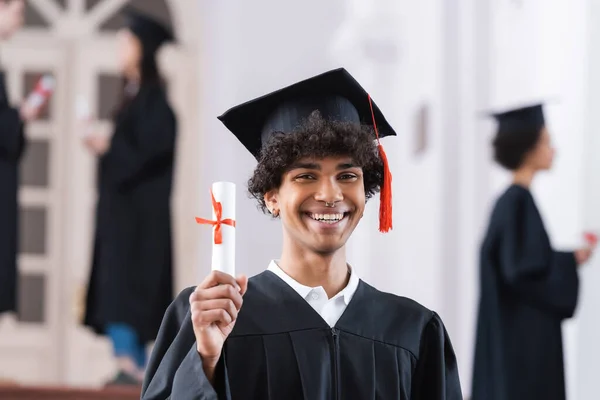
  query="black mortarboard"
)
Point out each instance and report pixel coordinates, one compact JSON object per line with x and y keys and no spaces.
{"x":335,"y":94}
{"x":523,"y":119}
{"x":151,"y":33}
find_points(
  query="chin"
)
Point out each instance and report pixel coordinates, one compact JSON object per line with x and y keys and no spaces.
{"x":327,"y":245}
{"x":327,"y":250}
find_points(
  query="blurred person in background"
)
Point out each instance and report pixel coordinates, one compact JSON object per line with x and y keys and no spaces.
{"x":130,"y":285}
{"x":12,"y":145}
{"x":526,"y":287}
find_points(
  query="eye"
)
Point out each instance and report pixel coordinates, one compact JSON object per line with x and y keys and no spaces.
{"x":304,"y":177}
{"x":348,"y":176}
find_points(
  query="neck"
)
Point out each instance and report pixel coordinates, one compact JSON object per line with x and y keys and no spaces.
{"x":523,"y":177}
{"x":311,"y":269}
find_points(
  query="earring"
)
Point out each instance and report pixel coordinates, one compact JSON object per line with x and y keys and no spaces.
{"x":274,"y":212}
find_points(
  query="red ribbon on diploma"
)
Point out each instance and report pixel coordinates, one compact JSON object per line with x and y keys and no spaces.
{"x":42,"y":90}
{"x":591,"y":238}
{"x":218,"y":207}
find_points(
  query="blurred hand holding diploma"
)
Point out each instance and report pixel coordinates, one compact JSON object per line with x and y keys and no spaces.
{"x":38,"y":98}
{"x":583,"y":255}
{"x":591,"y":238}
{"x":98,"y":144}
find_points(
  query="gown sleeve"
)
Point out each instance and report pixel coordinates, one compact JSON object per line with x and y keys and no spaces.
{"x":436,"y":374}
{"x":12,"y":140}
{"x":175,"y":368}
{"x":529,"y":266}
{"x":154,"y":131}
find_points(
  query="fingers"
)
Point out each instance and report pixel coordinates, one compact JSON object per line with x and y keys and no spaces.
{"x":217,"y":304}
{"x":218,"y":278}
{"x":218,"y":292}
{"x":25,"y":113}
{"x":242,"y":280}
{"x":208,"y":317}
{"x":214,"y":310}
{"x":218,"y":299}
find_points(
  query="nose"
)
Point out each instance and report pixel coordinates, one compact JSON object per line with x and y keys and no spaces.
{"x":329,"y":191}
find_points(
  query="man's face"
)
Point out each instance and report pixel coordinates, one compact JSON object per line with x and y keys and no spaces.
{"x":12,"y":15}
{"x":305,"y":198}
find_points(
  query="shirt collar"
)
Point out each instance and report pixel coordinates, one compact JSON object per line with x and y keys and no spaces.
{"x":304,"y":291}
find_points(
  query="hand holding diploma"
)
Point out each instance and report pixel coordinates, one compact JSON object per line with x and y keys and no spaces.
{"x":214,"y":307}
{"x":583,"y":255}
{"x":83,"y":115}
{"x":29,"y":113}
{"x":217,"y":300}
{"x":96,"y":143}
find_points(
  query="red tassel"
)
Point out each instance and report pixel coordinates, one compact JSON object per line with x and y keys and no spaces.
{"x":385,"y":193}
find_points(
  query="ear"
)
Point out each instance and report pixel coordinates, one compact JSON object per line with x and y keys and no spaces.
{"x":272,"y":200}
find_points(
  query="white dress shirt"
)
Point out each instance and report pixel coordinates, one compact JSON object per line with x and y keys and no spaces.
{"x":329,"y":309}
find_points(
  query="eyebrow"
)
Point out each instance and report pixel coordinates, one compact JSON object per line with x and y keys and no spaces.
{"x":316,"y":166}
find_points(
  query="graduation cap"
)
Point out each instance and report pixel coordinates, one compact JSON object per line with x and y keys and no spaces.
{"x":523,"y":119}
{"x":151,"y":33}
{"x":336,"y":95}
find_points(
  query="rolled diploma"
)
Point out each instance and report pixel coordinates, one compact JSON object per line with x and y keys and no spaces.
{"x":83,"y":114}
{"x":82,"y":109}
{"x":42,"y":91}
{"x":223,"y":255}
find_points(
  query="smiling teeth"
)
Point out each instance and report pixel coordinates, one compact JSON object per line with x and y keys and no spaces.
{"x":329,"y":218}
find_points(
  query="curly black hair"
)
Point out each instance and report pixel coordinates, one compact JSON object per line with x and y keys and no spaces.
{"x":318,"y":138}
{"x":510,"y":148}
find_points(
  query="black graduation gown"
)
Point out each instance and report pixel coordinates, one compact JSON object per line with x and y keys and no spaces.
{"x":131,"y":277}
{"x":382,"y":347}
{"x":527,"y":289}
{"x":12,"y":144}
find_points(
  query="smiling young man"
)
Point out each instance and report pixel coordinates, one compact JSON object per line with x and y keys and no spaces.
{"x":308,"y":328}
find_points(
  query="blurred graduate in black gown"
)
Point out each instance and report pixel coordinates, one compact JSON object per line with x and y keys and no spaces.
{"x":12,"y":145}
{"x":526,"y":287}
{"x":131,"y":279}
